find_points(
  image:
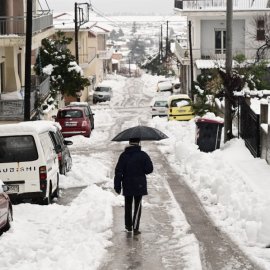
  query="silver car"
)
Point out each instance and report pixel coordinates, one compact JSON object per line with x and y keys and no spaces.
{"x":102,"y":93}
{"x":159,"y":107}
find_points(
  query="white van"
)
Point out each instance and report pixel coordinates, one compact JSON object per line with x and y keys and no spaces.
{"x":29,"y":161}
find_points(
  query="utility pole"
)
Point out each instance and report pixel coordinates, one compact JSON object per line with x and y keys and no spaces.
{"x":161,"y":43}
{"x":228,"y":103}
{"x":167,"y":40}
{"x":28,"y":50}
{"x":191,"y":60}
{"x":76,"y":33}
{"x":79,"y":20}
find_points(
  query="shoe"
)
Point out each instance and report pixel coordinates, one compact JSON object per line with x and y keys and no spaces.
{"x":136,"y":232}
{"x":128,"y":229}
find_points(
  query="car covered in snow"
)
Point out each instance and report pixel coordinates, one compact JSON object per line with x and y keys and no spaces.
{"x":165,"y":86}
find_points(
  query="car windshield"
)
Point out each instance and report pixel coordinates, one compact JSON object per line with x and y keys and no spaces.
{"x":17,"y":149}
{"x":180,"y":102}
{"x":161,"y":103}
{"x":71,"y":114}
{"x":102,"y":89}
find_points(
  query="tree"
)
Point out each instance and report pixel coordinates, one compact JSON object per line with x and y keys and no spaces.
{"x":114,"y":35}
{"x":56,"y":60}
{"x":137,"y":50}
{"x":120,"y":32}
{"x":134,"y":28}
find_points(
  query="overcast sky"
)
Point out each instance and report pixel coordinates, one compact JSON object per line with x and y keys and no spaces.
{"x":140,"y":7}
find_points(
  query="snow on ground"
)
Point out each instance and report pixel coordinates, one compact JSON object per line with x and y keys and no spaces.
{"x":232,"y":184}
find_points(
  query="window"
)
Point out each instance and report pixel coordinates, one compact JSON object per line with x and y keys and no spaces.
{"x":17,"y":149}
{"x":220,"y":41}
{"x":260,"y":30}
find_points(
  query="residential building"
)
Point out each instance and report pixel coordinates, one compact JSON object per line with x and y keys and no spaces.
{"x":94,"y":58}
{"x":208,"y":33}
{"x":12,"y":56}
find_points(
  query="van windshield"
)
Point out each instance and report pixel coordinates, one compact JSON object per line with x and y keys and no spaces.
{"x":18,"y":149}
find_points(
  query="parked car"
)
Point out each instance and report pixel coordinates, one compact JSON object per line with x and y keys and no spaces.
{"x":29,"y":161}
{"x":64,"y":156}
{"x":74,"y":121}
{"x":165,"y":86}
{"x":90,"y":114}
{"x":159,"y":106}
{"x":103,"y":92}
{"x":6,"y":212}
{"x":179,"y":107}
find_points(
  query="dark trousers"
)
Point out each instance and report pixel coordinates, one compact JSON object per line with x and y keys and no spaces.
{"x":133,"y":222}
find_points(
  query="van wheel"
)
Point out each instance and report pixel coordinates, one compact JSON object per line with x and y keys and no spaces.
{"x":48,"y":200}
{"x":9,"y":220}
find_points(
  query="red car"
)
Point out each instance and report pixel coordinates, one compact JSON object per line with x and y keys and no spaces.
{"x":5,"y":209}
{"x":74,"y":121}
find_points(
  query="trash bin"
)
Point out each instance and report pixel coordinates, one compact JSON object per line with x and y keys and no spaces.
{"x":208,"y":134}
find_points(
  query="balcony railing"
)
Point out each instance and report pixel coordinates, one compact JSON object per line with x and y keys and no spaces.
{"x":17,"y":25}
{"x":13,"y":109}
{"x":220,"y":4}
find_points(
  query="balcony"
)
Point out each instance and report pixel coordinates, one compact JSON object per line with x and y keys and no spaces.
{"x":13,"y":108}
{"x":17,"y":25}
{"x":208,"y":5}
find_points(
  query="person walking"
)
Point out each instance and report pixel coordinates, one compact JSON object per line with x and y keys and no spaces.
{"x":130,"y":176}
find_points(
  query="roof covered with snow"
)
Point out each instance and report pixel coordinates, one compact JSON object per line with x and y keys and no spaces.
{"x":40,"y":126}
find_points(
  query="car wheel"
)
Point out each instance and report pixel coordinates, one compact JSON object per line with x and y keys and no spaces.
{"x":48,"y":199}
{"x":9,"y":220}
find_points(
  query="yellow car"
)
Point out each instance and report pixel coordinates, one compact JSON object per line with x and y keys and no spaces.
{"x":179,"y":108}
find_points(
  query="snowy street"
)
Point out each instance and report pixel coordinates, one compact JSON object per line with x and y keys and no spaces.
{"x":203,"y":211}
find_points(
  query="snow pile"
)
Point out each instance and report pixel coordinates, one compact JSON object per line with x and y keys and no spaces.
{"x":232,"y":184}
{"x":67,"y":237}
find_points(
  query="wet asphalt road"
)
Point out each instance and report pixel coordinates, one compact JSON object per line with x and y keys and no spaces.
{"x":158,"y":247}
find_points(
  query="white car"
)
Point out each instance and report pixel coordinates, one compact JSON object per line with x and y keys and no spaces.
{"x":159,"y":106}
{"x":103,"y":92}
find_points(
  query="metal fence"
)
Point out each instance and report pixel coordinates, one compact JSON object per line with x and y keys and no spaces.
{"x":250,"y":128}
{"x":14,"y":109}
{"x":10,"y":25}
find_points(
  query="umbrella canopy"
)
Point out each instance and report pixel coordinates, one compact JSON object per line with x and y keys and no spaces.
{"x":143,"y":133}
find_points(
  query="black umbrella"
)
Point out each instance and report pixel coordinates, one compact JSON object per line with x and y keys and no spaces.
{"x":140,"y":132}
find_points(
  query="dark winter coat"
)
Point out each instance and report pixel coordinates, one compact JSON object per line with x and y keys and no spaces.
{"x":131,"y":170}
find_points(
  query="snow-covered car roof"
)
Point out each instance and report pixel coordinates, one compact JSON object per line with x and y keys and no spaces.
{"x":39,"y":126}
{"x":104,"y":84}
{"x":183,"y":96}
{"x":167,"y":85}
